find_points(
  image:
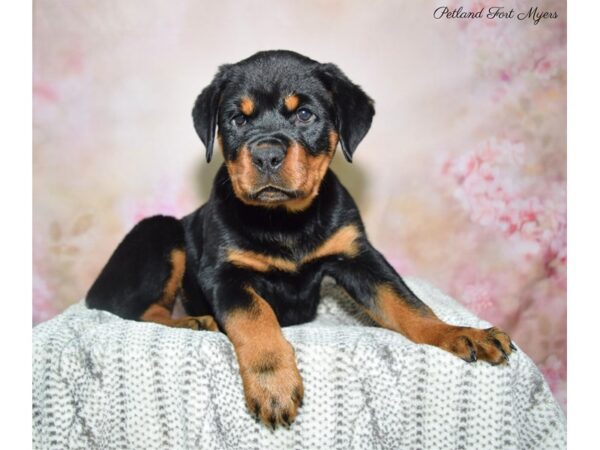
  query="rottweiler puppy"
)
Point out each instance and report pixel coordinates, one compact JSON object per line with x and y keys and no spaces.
{"x":251,"y":259}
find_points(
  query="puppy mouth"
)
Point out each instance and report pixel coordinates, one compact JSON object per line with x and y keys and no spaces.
{"x":273,"y":194}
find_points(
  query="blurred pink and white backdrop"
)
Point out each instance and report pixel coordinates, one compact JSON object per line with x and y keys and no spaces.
{"x":461,"y":181}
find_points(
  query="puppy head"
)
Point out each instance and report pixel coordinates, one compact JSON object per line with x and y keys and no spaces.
{"x":280,"y":116}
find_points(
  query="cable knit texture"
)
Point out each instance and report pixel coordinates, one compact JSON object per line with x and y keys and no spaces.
{"x":101,"y":382}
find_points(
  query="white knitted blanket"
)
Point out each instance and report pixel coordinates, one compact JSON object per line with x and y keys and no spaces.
{"x":101,"y":382}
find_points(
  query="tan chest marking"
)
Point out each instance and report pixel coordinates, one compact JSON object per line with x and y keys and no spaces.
{"x":258,"y":261}
{"x":342,"y":242}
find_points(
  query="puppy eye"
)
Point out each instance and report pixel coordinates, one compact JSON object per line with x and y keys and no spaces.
{"x":304,"y":115}
{"x":239,"y":120}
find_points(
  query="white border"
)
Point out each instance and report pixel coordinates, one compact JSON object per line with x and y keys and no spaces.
{"x":583,"y":235}
{"x":16,"y":223}
{"x":584,"y":223}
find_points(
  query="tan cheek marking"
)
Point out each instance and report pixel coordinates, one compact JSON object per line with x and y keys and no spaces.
{"x":259,"y":262}
{"x":241,"y":173}
{"x":291,"y":102}
{"x":294,"y":169}
{"x":304,"y":173}
{"x":317,"y":167}
{"x":333,"y":141}
{"x":342,"y":242}
{"x":247,"y":106}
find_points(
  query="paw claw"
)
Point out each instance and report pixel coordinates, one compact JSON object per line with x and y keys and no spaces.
{"x":498,"y":345}
{"x":256,"y":409}
{"x":273,"y":422}
{"x":471,"y":344}
{"x":473,"y":356}
{"x":273,"y":396}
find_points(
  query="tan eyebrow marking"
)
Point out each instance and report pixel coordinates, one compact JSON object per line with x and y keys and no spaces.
{"x":291,"y":102}
{"x":247,"y":106}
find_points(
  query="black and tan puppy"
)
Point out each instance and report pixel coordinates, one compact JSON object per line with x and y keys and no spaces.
{"x":277,"y":221}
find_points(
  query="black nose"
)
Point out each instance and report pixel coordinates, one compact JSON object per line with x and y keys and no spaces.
{"x":268,"y":158}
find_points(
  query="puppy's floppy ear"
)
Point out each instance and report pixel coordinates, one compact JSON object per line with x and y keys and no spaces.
{"x":206,"y":110}
{"x":354,"y":108}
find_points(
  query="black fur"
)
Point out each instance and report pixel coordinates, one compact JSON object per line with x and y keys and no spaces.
{"x":135,"y":274}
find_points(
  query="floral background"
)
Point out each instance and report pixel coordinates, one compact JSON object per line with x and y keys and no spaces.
{"x":461,"y":181}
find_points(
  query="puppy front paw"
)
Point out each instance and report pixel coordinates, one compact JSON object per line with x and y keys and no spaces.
{"x":471,"y":344}
{"x":273,"y":388}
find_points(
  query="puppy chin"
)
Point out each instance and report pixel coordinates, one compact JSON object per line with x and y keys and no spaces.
{"x":273,"y":195}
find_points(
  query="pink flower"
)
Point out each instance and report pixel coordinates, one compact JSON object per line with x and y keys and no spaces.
{"x":45,"y":92}
{"x":494,"y":193}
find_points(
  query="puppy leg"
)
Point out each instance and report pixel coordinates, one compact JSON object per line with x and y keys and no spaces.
{"x":372,"y":282}
{"x":143,"y":276}
{"x":273,"y":388}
